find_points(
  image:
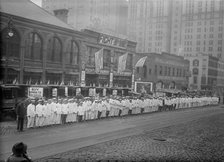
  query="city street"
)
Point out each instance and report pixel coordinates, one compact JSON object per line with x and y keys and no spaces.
{"x":48,"y":141}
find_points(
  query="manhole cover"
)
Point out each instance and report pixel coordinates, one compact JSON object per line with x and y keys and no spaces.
{"x":159,"y":139}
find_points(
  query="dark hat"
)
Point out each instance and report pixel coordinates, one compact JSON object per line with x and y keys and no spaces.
{"x":19,"y":148}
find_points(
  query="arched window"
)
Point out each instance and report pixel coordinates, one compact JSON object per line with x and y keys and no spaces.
{"x":196,"y":62}
{"x":72,"y":53}
{"x":10,"y":43}
{"x":33,"y":47}
{"x":54,"y":50}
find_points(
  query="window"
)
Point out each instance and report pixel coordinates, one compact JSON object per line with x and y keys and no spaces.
{"x":33,"y":47}
{"x":195,"y":62}
{"x":150,"y":71}
{"x":10,"y":46}
{"x":54,"y":50}
{"x":195,"y":71}
{"x":73,"y":53}
{"x":169,"y":70}
{"x":195,"y":80}
{"x":160,"y":70}
{"x":91,"y":55}
{"x":106,"y":58}
{"x":137,"y":69}
{"x":144,"y":71}
{"x":155,"y":69}
{"x":173,"y":71}
{"x":129,"y":61}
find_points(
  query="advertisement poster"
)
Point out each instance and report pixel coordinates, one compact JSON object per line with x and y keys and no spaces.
{"x":35,"y":92}
{"x":143,"y":87}
{"x":54,"y":92}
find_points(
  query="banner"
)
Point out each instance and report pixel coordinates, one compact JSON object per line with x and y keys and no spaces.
{"x":141,"y":62}
{"x":35,"y":92}
{"x":99,"y":60}
{"x":83,"y":77}
{"x":122,"y":60}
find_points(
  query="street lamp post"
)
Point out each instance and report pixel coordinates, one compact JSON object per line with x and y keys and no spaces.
{"x":10,"y":34}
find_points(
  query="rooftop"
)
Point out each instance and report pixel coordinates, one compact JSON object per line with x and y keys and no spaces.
{"x":29,"y":10}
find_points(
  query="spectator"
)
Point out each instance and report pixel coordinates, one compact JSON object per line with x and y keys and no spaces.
{"x":21,"y":114}
{"x":19,"y":153}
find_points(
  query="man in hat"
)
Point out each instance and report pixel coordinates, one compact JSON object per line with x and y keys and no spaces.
{"x":31,"y":114}
{"x":21,"y":114}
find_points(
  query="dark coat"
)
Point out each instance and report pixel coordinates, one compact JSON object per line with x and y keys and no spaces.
{"x":21,"y":110}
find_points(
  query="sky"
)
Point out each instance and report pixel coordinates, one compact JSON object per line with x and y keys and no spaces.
{"x":38,"y":2}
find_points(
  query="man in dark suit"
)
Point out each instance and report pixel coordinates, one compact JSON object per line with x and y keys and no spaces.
{"x":21,"y":114}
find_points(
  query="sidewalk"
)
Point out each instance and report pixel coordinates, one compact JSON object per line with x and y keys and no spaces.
{"x":7,"y":128}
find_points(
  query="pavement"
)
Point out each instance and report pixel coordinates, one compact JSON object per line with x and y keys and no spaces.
{"x":48,"y":141}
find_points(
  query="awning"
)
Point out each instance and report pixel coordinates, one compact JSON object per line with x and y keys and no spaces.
{"x":141,"y":62}
{"x":33,"y":70}
{"x":55,"y":71}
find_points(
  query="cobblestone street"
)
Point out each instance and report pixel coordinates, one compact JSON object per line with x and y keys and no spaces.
{"x":198,"y":140}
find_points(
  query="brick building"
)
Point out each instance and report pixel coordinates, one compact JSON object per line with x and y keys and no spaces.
{"x":38,"y":48}
{"x":166,"y":71}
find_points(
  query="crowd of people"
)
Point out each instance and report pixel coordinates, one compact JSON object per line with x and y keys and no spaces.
{"x":54,"y":111}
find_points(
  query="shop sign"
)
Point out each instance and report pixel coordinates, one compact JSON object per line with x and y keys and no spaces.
{"x":36,"y":92}
{"x":54,"y":92}
{"x":112,"y":41}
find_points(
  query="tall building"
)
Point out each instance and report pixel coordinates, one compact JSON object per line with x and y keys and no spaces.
{"x":149,"y":24}
{"x":102,"y":15}
{"x":179,"y":27}
{"x":207,"y":73}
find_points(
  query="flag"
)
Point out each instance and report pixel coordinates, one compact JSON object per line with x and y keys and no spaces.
{"x":99,"y":60}
{"x":122,"y":60}
{"x":48,"y":82}
{"x":141,"y":62}
{"x":14,"y":81}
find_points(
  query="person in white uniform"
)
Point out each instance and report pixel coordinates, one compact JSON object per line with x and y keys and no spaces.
{"x":31,"y":114}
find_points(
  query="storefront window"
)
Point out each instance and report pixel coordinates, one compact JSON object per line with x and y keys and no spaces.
{"x":10,"y":45}
{"x":54,"y":50}
{"x":33,"y":47}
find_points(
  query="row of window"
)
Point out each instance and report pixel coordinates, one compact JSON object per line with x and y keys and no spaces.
{"x":163,"y":71}
{"x":34,"y":48}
